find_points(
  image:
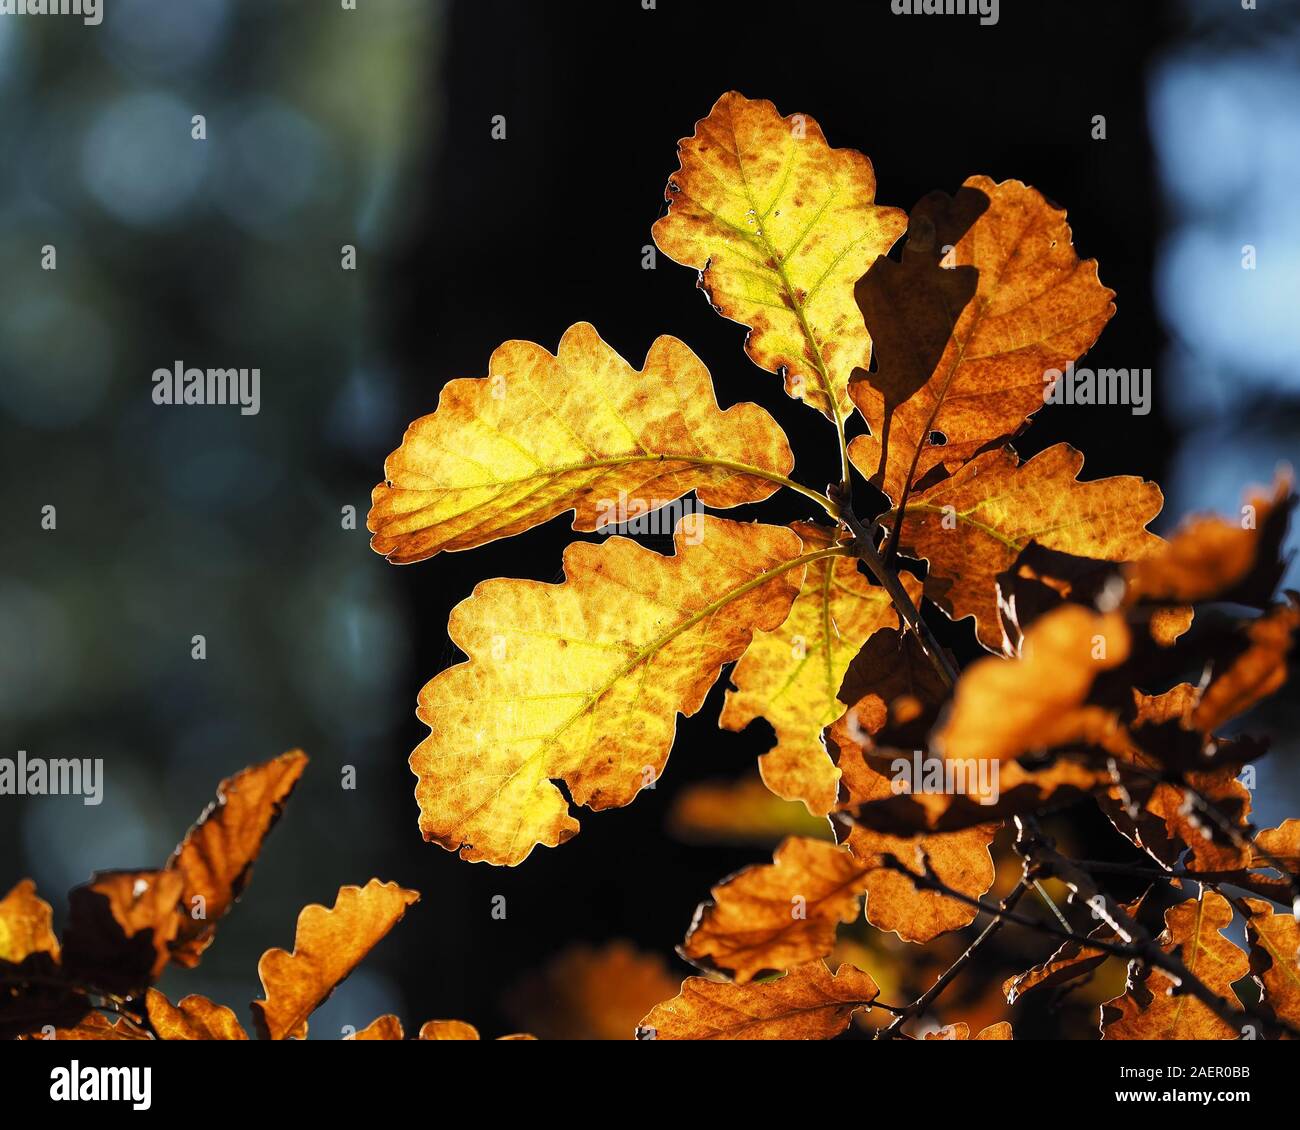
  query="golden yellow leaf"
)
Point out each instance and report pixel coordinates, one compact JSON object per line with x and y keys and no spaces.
{"x":1148,"y":1011}
{"x":791,"y":676}
{"x":383,"y":1028}
{"x":1003,"y":708}
{"x":215,"y":858}
{"x":192,"y":1018}
{"x":972,"y":526}
{"x":592,"y":994}
{"x":954,"y":375}
{"x":780,"y":226}
{"x":808,"y":1003}
{"x":582,"y":681}
{"x":743,"y":811}
{"x":580,"y":430}
{"x":26,"y":925}
{"x":327,"y":946}
{"x":1274,"y":941}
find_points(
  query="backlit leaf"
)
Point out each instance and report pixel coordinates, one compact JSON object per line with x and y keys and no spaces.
{"x":192,"y":1018}
{"x":580,"y":430}
{"x":808,"y":1003}
{"x":957,"y":372}
{"x":780,"y":226}
{"x":216,"y":857}
{"x":791,"y":676}
{"x":327,"y":946}
{"x":583,"y":680}
{"x":972,"y":526}
{"x":1148,"y":1011}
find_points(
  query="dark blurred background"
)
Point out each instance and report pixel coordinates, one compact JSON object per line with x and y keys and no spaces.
{"x":372,"y":128}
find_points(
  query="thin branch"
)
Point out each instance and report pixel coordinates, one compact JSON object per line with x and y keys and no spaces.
{"x":926,"y":999}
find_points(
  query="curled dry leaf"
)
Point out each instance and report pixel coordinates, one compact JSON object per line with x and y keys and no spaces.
{"x":328,"y":945}
{"x":972,"y":527}
{"x":592,"y":994}
{"x":215,"y":859}
{"x":780,"y":226}
{"x":582,"y":681}
{"x":989,"y":296}
{"x":791,"y":675}
{"x":580,"y":430}
{"x":192,"y":1018}
{"x":1149,"y":1011}
{"x":808,"y":1003}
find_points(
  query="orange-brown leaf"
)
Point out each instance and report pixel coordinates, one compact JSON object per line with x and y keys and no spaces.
{"x":26,"y":925}
{"x":1149,"y":1011}
{"x":972,"y":527}
{"x":215,"y":858}
{"x":328,"y":945}
{"x":192,"y":1018}
{"x":808,"y":1003}
{"x":955,"y":375}
{"x":382,"y":1028}
{"x":1003,"y":708}
{"x":1274,"y":941}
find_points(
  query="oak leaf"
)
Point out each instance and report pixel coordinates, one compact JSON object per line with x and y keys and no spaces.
{"x":955,"y":371}
{"x":961,"y":1031}
{"x":328,"y":945}
{"x":1148,"y":1010}
{"x":216,"y":857}
{"x":1211,"y":558}
{"x":791,"y":676}
{"x":972,"y":526}
{"x":192,"y":1018}
{"x":581,"y":431}
{"x":808,"y":1003}
{"x":94,"y":1026}
{"x":1274,"y":941}
{"x":583,"y":680}
{"x":780,"y":226}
